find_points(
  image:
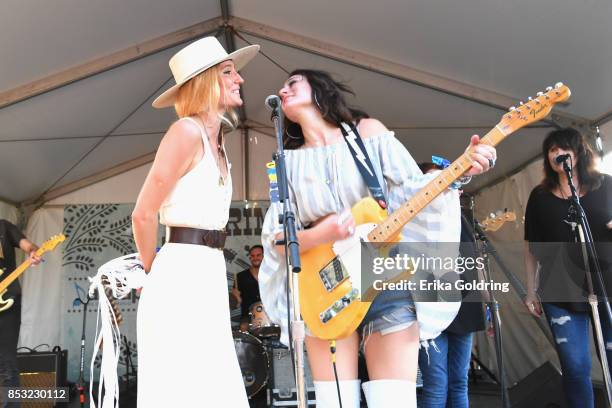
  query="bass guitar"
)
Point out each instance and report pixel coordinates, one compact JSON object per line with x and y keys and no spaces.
{"x":48,"y":245}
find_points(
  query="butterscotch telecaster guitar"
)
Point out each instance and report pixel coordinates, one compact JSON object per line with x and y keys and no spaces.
{"x":48,"y":245}
{"x":332,"y":306}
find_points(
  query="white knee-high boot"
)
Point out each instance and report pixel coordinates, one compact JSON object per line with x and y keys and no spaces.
{"x":327,"y":394}
{"x":390,"y":393}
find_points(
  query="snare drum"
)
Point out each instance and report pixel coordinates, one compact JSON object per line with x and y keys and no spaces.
{"x":261,"y":325}
{"x":253,"y":360}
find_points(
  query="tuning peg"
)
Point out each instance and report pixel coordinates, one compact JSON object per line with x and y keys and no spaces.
{"x":540,"y":93}
{"x":548,"y":88}
{"x":558,"y":85}
{"x":492,"y":215}
{"x":529,"y":98}
{"x":512,"y":108}
{"x":521,"y":103}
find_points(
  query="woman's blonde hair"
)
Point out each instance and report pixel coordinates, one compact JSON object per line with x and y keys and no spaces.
{"x":202,"y":94}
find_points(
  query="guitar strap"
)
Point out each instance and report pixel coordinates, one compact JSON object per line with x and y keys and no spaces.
{"x":362,"y":160}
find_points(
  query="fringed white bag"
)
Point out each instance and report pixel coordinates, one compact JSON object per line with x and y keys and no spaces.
{"x":120,"y":275}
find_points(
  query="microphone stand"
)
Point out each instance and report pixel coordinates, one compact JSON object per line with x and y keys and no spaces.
{"x":81,"y":386}
{"x":485,"y":249}
{"x":129,"y":363}
{"x":518,"y":286}
{"x":579,"y":223}
{"x":292,"y":255}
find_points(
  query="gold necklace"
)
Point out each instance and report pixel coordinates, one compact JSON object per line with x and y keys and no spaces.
{"x":220,"y":152}
{"x":220,"y":149}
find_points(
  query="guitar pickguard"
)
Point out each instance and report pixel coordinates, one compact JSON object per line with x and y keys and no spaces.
{"x":4,"y":304}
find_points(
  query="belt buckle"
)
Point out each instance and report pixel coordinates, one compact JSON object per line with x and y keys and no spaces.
{"x":205,"y":238}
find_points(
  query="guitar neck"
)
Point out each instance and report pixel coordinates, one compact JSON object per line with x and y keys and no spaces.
{"x":11,"y":277}
{"x":393,"y":224}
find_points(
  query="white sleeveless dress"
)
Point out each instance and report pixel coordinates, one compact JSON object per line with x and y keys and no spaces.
{"x":186,"y":354}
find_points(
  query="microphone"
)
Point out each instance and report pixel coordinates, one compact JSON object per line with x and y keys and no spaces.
{"x":273,"y":102}
{"x":561,"y":158}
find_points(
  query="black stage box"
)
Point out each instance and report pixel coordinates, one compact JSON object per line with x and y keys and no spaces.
{"x":43,"y":369}
{"x":542,"y":388}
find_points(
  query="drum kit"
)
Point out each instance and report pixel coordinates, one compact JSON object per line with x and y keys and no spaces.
{"x":254,"y":349}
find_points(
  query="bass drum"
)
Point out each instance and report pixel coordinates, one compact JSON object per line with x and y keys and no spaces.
{"x":253,"y":360}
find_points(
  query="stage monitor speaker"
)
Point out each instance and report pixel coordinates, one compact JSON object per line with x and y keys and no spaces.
{"x":542,"y":388}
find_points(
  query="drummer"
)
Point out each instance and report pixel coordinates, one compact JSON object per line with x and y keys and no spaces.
{"x":246,"y":285}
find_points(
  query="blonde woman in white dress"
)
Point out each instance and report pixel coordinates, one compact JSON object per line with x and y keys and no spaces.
{"x":186,"y":354}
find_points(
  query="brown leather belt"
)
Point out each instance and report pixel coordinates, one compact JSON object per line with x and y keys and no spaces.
{"x":185,"y":235}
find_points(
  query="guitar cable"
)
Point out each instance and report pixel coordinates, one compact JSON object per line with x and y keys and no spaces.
{"x":332,"y":349}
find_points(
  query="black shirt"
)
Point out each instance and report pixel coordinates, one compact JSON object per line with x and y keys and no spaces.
{"x":470,"y":317}
{"x":562,"y":276}
{"x":10,"y":236}
{"x":249,"y":291}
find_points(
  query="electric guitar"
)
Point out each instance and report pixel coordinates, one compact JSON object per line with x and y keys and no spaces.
{"x":332,"y":307}
{"x":498,"y":219}
{"x":48,"y":245}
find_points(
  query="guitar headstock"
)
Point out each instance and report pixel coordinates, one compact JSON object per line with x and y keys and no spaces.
{"x":534,"y":110}
{"x":495,"y":221}
{"x":51,"y":243}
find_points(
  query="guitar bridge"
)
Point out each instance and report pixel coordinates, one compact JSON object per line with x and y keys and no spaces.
{"x":339,"y":305}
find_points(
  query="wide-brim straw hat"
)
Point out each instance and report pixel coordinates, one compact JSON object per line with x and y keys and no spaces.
{"x":196,"y":58}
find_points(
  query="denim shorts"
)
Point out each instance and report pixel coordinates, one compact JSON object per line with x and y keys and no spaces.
{"x":390,"y":312}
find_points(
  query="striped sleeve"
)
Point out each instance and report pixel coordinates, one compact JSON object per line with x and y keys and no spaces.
{"x":440,"y":220}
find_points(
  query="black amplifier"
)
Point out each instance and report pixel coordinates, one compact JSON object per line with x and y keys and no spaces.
{"x":43,"y":369}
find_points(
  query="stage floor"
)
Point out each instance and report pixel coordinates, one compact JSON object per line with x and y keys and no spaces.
{"x":482,"y":395}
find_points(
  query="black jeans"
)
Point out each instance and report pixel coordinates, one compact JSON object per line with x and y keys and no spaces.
{"x":10,"y":322}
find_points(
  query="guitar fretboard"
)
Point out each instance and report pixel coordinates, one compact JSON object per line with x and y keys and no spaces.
{"x":393,"y":224}
{"x":46,"y":246}
{"x":15,"y":274}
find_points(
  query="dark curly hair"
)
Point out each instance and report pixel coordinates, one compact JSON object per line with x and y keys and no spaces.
{"x":570,"y":139}
{"x":329,"y":96}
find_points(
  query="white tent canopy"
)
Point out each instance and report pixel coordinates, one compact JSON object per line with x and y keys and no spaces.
{"x":77,"y":85}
